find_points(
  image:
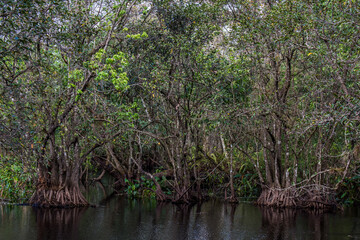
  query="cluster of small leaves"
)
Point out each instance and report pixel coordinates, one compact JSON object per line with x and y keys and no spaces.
{"x":138,"y":36}
{"x":110,"y":69}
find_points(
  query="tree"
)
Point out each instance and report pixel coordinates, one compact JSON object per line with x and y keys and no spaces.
{"x":53,"y":78}
{"x":281,"y":39}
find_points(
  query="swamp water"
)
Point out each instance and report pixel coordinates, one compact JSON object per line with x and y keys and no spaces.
{"x":117,"y":217}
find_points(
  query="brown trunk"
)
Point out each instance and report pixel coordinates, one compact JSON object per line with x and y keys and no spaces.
{"x":60,"y":188}
{"x":50,"y":195}
{"x":319,"y":157}
{"x":268,"y":176}
{"x":103,"y":164}
{"x":278,"y":153}
{"x":231,"y":182}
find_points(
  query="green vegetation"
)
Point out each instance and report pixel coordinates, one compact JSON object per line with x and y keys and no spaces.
{"x":16,"y":181}
{"x":181,"y":100}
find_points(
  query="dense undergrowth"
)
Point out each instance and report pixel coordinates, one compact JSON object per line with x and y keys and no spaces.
{"x":349,"y":190}
{"x":18,"y":185}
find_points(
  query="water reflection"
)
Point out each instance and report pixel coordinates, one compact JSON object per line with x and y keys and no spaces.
{"x":121,"y":218}
{"x":54,"y":224}
{"x":278,"y":223}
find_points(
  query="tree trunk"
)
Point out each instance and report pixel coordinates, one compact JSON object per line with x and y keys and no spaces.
{"x":59,"y":184}
{"x":231,"y":182}
{"x":50,"y":194}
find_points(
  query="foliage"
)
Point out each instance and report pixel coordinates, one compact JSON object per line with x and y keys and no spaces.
{"x":349,"y":190}
{"x":247,"y":94}
{"x":144,"y":188}
{"x":15,"y":181}
{"x":247,"y":185}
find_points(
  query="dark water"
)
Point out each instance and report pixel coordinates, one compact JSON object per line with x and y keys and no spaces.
{"x":121,"y":218}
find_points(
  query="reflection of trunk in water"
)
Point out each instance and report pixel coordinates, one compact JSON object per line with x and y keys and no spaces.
{"x":182,"y":218}
{"x":58,"y":223}
{"x":316,"y":224}
{"x":281,"y":222}
{"x":158,"y":211}
{"x":232,"y":211}
{"x":182,"y":213}
{"x":106,"y":200}
{"x":278,"y":222}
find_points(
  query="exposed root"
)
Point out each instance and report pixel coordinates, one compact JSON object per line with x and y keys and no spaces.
{"x":58,"y":197}
{"x":186,"y":196}
{"x":160,"y":196}
{"x":311,"y":197}
{"x":232,"y":200}
{"x":102,"y":164}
